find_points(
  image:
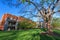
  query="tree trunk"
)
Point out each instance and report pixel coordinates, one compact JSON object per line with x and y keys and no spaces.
{"x":49,"y":27}
{"x":47,"y":23}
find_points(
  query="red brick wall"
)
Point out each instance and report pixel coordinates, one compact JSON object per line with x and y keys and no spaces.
{"x":4,"y":19}
{"x":11,"y":16}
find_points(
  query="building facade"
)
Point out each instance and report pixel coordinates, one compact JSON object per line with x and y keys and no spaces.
{"x":10,"y":21}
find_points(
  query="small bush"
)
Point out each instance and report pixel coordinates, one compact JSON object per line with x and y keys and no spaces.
{"x":56,"y":23}
{"x":26,"y":25}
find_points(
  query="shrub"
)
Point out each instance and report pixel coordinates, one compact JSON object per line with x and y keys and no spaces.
{"x":26,"y":24}
{"x":56,"y":22}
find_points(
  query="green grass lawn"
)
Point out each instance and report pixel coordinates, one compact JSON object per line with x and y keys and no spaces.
{"x":33,"y":34}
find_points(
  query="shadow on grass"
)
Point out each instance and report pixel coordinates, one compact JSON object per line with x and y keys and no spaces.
{"x":56,"y":35}
{"x":44,"y":37}
{"x":26,"y":35}
{"x":8,"y":36}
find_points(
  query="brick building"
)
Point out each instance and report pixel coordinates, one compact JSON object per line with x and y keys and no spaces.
{"x":7,"y":19}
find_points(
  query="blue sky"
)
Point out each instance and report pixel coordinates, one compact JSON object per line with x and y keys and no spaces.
{"x":6,"y":9}
{"x":13,"y":10}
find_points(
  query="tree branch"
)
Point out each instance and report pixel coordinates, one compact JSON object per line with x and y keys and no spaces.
{"x":55,"y":5}
{"x":56,"y":11}
{"x":33,"y":4}
{"x":32,"y":14}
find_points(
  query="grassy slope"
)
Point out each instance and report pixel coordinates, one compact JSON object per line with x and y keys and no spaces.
{"x":33,"y":34}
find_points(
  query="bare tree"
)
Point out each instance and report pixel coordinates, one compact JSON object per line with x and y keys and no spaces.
{"x":47,"y":13}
